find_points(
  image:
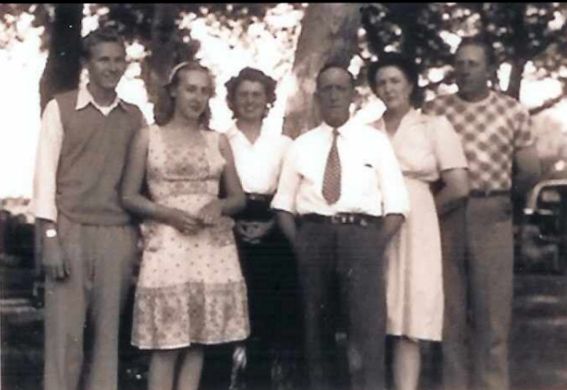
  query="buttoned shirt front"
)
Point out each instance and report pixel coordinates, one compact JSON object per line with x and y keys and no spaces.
{"x":49,"y":150}
{"x":491,"y":131}
{"x":371,"y":180}
{"x":258,"y":164}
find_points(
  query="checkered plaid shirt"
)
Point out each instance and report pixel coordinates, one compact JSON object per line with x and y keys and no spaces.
{"x":491,"y":131}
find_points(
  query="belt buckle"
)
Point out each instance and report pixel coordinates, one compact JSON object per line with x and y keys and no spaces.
{"x":343,"y":218}
{"x":335,"y":219}
{"x":253,"y":197}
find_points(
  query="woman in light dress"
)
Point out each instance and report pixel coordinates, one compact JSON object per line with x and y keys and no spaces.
{"x":190,"y":291}
{"x":428,"y":150}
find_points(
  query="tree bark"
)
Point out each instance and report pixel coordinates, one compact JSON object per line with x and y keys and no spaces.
{"x":520,"y":55}
{"x":63,"y":68}
{"x":328,"y":34}
{"x":156,"y":67}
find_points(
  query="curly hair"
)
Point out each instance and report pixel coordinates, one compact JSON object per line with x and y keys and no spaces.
{"x":407,"y":66}
{"x":101,"y":35}
{"x":250,"y":74}
{"x":165,"y":106}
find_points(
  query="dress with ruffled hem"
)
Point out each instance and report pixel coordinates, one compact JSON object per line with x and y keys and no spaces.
{"x":190,"y":288}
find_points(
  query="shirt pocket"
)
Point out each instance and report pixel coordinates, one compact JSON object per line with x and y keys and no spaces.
{"x":365,"y":177}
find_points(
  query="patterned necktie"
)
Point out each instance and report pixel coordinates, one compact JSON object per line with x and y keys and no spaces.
{"x":332,"y":178}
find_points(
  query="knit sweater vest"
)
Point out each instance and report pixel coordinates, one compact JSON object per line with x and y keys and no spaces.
{"x":92,"y":160}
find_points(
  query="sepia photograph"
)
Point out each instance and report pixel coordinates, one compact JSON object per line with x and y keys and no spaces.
{"x":283,"y":196}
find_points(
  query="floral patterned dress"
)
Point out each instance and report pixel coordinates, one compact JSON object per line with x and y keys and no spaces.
{"x":190,"y":288}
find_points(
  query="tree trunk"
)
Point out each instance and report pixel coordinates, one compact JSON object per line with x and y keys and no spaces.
{"x":520,"y":54}
{"x":515,"y":83}
{"x":328,"y":34}
{"x":156,"y":67}
{"x":63,"y":68}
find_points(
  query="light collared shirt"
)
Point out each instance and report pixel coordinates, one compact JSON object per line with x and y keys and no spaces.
{"x":49,"y":149}
{"x":258,"y":164}
{"x":371,"y":180}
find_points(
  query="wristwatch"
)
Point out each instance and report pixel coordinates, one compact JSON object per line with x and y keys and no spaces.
{"x":50,"y":233}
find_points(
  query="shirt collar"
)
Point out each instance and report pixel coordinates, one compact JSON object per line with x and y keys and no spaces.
{"x":477,"y":103}
{"x":342,"y":130}
{"x":411,"y":118}
{"x":84,"y":97}
{"x":234,"y":131}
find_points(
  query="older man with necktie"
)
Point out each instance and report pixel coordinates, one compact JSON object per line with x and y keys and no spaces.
{"x":340,"y":198}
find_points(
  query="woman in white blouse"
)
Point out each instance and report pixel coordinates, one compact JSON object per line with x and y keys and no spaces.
{"x":265,"y":256}
{"x":428,"y":150}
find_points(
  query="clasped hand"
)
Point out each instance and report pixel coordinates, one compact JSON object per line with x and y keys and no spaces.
{"x":252,"y":232}
{"x":190,"y":224}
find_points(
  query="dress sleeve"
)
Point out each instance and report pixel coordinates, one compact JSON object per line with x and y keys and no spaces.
{"x":448,"y":146}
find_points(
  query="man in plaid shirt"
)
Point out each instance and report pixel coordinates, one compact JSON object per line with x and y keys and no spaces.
{"x":477,"y":239}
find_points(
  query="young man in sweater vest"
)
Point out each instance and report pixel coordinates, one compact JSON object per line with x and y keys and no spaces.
{"x":88,"y":241}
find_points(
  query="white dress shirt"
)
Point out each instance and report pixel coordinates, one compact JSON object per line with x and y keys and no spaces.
{"x":371,"y":180}
{"x":49,"y":149}
{"x":258,"y":164}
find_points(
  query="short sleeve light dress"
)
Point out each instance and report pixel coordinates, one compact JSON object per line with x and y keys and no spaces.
{"x":190,"y":288}
{"x":424,"y":146}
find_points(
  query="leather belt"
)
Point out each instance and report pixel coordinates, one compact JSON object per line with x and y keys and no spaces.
{"x":488,"y":193}
{"x":259,"y":197}
{"x":343,"y":218}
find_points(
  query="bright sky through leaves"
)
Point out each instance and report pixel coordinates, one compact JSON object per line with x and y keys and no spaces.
{"x":266,"y":45}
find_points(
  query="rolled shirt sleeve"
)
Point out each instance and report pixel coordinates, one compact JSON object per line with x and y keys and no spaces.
{"x":288,"y":184}
{"x":47,"y":160}
{"x":395,"y":199}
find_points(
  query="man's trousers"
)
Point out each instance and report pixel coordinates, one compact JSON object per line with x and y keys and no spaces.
{"x":86,"y":307}
{"x":349,"y":257}
{"x":487,"y":279}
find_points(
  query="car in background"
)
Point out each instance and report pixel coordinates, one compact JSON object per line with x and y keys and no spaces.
{"x":541,"y":241}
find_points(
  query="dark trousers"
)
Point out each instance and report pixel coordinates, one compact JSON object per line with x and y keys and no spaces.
{"x":349,"y":256}
{"x":270,"y":272}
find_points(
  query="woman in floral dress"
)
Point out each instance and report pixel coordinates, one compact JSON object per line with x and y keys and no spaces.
{"x":190,"y":290}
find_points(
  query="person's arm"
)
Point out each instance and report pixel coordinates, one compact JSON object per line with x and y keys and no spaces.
{"x":454,"y":192}
{"x":286,"y":222}
{"x":528,"y":169}
{"x":285,"y":197}
{"x":135,"y":202}
{"x":56,"y":265}
{"x":390,"y":226}
{"x":527,"y":166}
{"x":234,"y":200}
{"x":395,"y":198}
{"x":452,"y":165}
